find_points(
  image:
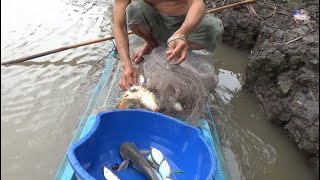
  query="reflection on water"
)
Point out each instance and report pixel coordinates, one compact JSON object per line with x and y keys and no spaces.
{"x":228,"y":85}
{"x":42,"y":100}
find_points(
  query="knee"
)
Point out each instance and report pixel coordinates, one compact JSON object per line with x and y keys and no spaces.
{"x":133,"y":6}
{"x":213,"y":25}
{"x":136,"y":8}
{"x":215,"y":30}
{"x":212,"y":29}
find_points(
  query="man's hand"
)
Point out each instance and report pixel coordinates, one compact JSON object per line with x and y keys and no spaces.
{"x":129,"y":77}
{"x":177,"y":51}
{"x":178,"y":47}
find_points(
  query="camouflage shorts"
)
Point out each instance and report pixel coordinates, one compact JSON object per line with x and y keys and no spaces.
{"x":207,"y":33}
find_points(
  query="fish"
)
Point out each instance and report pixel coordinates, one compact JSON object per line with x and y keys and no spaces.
{"x":144,"y":96}
{"x":177,"y":106}
{"x":130,"y":153}
{"x":164,"y":170}
{"x":141,"y":80}
{"x":108,"y":174}
{"x":162,"y":164}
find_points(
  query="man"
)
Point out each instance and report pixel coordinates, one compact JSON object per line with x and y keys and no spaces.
{"x":182,"y":24}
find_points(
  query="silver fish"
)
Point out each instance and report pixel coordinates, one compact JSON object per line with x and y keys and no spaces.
{"x":130,"y":153}
{"x":108,"y":174}
{"x":161,"y":163}
{"x":141,"y":80}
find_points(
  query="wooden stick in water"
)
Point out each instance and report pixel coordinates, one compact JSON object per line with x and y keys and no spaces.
{"x":105,"y":39}
{"x":58,"y":50}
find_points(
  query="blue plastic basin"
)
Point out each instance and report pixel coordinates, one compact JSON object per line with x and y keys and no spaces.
{"x":183,"y":145}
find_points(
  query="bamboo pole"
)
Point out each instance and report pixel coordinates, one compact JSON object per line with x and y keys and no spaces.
{"x":230,"y":6}
{"x":104,"y":39}
{"x":298,"y":38}
{"x":58,"y":50}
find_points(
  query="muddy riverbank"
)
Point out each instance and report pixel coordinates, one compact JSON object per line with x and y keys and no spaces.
{"x":283,"y":73}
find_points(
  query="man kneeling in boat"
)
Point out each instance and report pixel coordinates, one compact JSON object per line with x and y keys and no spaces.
{"x":182,"y":24}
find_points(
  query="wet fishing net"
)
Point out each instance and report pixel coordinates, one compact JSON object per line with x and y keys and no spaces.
{"x":182,"y":90}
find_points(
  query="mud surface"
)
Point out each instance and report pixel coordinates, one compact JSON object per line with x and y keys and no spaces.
{"x":283,"y":68}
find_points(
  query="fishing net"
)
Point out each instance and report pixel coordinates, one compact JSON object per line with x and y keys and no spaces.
{"x":187,"y":84}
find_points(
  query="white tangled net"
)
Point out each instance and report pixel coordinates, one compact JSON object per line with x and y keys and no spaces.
{"x":188,"y":84}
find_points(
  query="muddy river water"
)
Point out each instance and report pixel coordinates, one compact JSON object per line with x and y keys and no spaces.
{"x":42,"y":100}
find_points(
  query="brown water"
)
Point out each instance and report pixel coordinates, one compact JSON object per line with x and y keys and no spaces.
{"x":254,"y":148}
{"x":42,"y":100}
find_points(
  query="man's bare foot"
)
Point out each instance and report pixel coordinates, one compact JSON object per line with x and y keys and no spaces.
{"x":146,"y":48}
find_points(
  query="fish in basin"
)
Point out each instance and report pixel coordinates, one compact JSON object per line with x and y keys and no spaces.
{"x":130,"y":153}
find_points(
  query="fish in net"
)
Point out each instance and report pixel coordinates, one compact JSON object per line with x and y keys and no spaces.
{"x":182,"y":91}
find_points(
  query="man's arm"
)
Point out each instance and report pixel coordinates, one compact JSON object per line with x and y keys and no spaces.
{"x":129,"y":74}
{"x":120,"y":30}
{"x":178,"y":48}
{"x":194,"y":16}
